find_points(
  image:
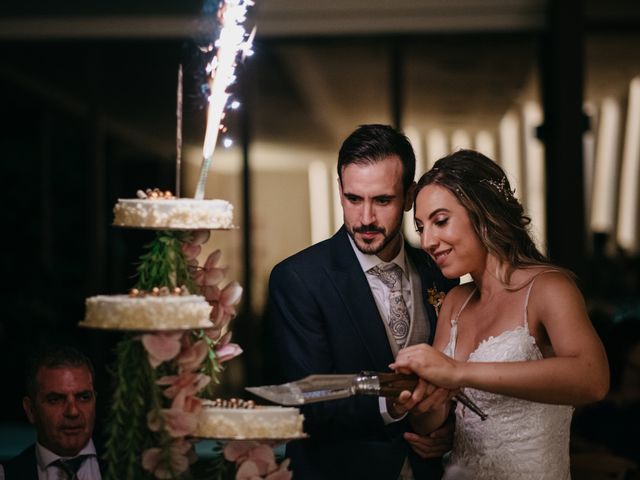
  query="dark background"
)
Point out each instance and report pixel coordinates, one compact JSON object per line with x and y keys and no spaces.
{"x":88,"y":120}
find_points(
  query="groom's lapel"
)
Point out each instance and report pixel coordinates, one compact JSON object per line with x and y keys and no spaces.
{"x":360,"y":306}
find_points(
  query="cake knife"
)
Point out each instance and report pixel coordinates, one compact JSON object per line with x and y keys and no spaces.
{"x":320,"y":388}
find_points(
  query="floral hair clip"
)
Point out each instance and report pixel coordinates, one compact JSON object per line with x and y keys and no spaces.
{"x":501,"y":187}
{"x":435,"y":298}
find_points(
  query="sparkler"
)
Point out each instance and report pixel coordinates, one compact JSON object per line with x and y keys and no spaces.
{"x":232,"y":42}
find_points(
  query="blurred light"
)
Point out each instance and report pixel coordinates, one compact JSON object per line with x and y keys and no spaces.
{"x":437,"y":146}
{"x":607,"y":162}
{"x":338,"y":216}
{"x":319,"y":202}
{"x":534,"y":173}
{"x":627,"y":233}
{"x":235,"y":105}
{"x":460,"y":139}
{"x":227,"y":142}
{"x":486,"y":144}
{"x":509,"y":132}
{"x":408,"y":229}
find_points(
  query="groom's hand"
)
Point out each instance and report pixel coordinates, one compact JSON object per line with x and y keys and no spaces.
{"x":433,"y":445}
{"x":406,"y":401}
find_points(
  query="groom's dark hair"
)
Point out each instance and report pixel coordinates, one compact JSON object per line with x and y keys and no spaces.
{"x":372,"y":143}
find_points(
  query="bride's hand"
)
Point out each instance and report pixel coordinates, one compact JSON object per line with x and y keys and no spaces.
{"x":429,"y":364}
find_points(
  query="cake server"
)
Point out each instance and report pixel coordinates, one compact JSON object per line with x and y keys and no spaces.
{"x":320,"y":388}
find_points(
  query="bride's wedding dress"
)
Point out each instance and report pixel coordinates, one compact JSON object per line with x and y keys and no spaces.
{"x":520,"y":439}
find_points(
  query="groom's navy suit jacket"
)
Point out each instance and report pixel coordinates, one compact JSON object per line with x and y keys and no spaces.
{"x":323,"y":318}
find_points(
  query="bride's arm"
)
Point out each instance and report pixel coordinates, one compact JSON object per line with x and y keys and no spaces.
{"x":577,"y":374}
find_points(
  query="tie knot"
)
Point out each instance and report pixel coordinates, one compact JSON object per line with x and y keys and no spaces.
{"x":389,"y":273}
{"x":71,"y":465}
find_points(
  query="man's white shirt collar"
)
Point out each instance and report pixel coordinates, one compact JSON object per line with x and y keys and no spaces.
{"x":46,"y":457}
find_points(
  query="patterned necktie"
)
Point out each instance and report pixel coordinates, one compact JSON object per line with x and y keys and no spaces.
{"x":391,"y":276}
{"x":71,"y":466}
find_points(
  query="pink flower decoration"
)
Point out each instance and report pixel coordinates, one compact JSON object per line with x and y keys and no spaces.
{"x":223,"y":303}
{"x":282,"y":473}
{"x":225,"y":351}
{"x":247,"y":470}
{"x":211,"y":294}
{"x":161,"y":346}
{"x":179,"y":420}
{"x":181,"y":454}
{"x":177,"y":423}
{"x":241,"y":450}
{"x":255,"y":460}
{"x":190,"y":251}
{"x":192,"y":356}
{"x":188,"y":382}
{"x":197,"y":237}
{"x":210,"y":275}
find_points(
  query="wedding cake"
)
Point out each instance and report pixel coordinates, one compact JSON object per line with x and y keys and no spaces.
{"x":141,"y":311}
{"x":161,"y":210}
{"x":242,"y":420}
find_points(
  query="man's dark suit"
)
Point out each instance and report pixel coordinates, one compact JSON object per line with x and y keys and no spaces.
{"x":323,"y":319}
{"x":23,"y":466}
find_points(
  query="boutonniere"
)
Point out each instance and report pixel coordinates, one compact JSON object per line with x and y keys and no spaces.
{"x":435,"y":298}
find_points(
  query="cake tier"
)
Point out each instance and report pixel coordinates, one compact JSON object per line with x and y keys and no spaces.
{"x":170,"y":312}
{"x":249,"y":423}
{"x":175,"y":213}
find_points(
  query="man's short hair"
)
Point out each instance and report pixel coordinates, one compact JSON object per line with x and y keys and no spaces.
{"x":372,"y":143}
{"x":51,"y":357}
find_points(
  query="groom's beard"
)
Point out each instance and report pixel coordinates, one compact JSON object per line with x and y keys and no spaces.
{"x":377,"y":244}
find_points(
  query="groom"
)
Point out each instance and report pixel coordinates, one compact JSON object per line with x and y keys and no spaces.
{"x":349,"y":304}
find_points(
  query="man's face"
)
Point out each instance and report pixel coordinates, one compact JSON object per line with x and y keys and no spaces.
{"x":373,"y":203}
{"x":63,"y":410}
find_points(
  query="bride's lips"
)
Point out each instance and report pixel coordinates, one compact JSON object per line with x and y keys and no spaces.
{"x":441,"y":256}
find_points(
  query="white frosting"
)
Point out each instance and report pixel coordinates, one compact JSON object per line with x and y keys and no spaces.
{"x":179,"y":213}
{"x":147,"y":313}
{"x":249,"y":423}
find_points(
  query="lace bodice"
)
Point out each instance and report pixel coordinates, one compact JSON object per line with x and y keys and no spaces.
{"x":520,"y":439}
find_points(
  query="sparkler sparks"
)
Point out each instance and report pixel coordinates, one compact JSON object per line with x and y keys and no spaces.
{"x":232,"y":42}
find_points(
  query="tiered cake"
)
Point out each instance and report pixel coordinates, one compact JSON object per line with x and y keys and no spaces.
{"x":164,"y":374}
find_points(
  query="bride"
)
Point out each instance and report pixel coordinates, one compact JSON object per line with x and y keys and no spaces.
{"x":517,"y":339}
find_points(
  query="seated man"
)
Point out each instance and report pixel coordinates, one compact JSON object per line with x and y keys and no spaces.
{"x":60,"y":402}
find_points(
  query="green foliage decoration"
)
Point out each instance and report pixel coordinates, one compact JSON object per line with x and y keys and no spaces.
{"x":164,"y":263}
{"x":127,"y":432}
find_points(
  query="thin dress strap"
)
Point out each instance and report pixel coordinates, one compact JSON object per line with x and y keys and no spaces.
{"x":526,"y":300}
{"x":453,"y":336}
{"x":464,"y":304}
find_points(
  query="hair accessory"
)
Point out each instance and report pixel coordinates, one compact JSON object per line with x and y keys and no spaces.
{"x":501,"y":187}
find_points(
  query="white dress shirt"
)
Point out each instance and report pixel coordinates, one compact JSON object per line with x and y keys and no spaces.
{"x":89,"y":470}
